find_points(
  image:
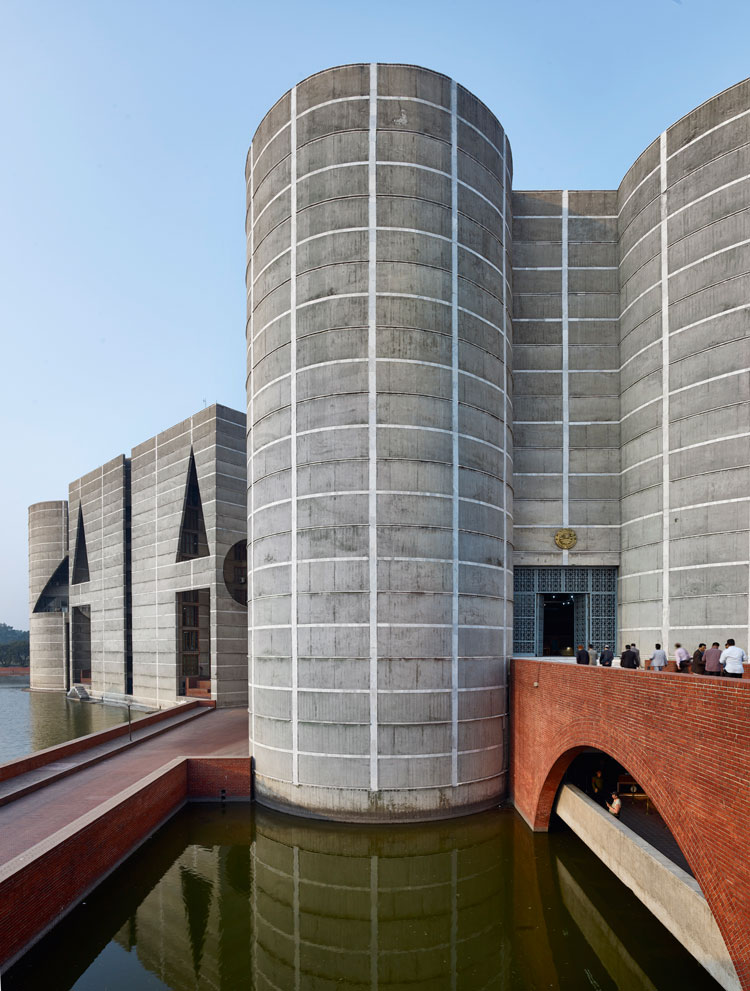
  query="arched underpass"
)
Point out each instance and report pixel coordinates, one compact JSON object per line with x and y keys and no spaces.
{"x":638,"y":810}
{"x":683,"y":739}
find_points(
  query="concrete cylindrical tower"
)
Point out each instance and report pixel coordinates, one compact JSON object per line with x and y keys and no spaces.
{"x":48,"y":594}
{"x":685,"y":384}
{"x":379,"y":447}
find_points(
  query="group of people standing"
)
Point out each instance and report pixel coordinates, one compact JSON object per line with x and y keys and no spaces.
{"x":705,"y":660}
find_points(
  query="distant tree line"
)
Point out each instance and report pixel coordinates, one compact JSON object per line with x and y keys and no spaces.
{"x":14,"y":647}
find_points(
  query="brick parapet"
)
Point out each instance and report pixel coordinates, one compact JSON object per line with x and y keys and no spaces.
{"x":684,"y":738}
{"x":50,"y":755}
{"x":42,"y":884}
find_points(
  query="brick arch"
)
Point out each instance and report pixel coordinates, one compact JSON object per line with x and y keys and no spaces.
{"x":581,"y":737}
{"x":685,"y":739}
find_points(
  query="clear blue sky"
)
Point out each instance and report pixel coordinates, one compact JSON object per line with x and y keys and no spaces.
{"x":125,"y":127}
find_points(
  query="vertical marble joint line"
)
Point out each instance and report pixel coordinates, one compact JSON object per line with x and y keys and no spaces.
{"x":665,"y":391}
{"x":374,"y":882}
{"x":565,"y":370}
{"x":454,"y":920}
{"x":372,"y":400}
{"x":293,"y":429}
{"x":506,"y":432}
{"x":454,"y":429}
{"x":296,"y":920}
{"x":251,"y":470}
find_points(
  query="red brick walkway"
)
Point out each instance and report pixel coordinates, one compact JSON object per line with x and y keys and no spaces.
{"x":32,"y":818}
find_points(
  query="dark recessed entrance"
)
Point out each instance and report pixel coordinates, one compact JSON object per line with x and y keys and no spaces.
{"x":558,"y":634}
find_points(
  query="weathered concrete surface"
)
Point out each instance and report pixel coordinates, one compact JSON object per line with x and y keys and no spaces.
{"x":98,"y":602}
{"x":684,"y":263}
{"x":566,"y":357}
{"x":674,"y":897}
{"x":48,"y":549}
{"x":379,"y":445}
{"x":159,"y":471}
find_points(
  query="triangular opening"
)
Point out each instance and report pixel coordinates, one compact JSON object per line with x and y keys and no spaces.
{"x":193,"y":541}
{"x":54,"y":597}
{"x":80,"y":558}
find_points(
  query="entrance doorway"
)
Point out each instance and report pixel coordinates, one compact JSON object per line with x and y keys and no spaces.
{"x":559,"y":626}
{"x":80,"y":635}
{"x":542,"y":624}
{"x":194,"y":643}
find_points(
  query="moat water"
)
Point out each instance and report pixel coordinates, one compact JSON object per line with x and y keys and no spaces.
{"x":31,"y":721}
{"x":237,"y":897}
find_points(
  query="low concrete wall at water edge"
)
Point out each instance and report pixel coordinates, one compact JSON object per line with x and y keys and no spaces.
{"x":674,"y":897}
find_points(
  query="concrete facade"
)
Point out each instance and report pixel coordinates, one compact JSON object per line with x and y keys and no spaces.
{"x":98,"y":510}
{"x":214,"y":440}
{"x":379,"y":445}
{"x":566,"y":470}
{"x":684,"y":220}
{"x":156,"y":584}
{"x":48,"y":595}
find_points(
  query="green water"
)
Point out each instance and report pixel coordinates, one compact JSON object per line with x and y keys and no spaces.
{"x":31,"y":721}
{"x":242,"y":898}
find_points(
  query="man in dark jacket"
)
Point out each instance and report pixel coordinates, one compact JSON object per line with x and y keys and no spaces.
{"x":698,"y":665}
{"x":606,"y":657}
{"x":582,"y":657}
{"x":628,"y":658}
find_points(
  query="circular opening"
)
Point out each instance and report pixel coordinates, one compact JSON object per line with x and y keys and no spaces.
{"x":235,"y":572}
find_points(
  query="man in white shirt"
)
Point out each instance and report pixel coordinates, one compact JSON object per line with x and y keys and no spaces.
{"x":732,"y":660}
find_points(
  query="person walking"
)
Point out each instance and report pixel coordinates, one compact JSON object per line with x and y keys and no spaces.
{"x":592,"y":654}
{"x":681,"y":657}
{"x":606,"y":657}
{"x":627,"y":658}
{"x":637,"y":653}
{"x":582,"y":657}
{"x":712,"y":659}
{"x":658,"y":659}
{"x":699,"y":665}
{"x":597,"y":786}
{"x":732,"y":660}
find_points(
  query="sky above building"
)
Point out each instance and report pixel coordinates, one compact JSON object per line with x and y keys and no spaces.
{"x":122,"y":197}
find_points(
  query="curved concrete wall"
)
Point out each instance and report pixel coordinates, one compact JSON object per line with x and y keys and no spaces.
{"x":379,"y":511}
{"x":48,"y":547}
{"x":684,"y":215}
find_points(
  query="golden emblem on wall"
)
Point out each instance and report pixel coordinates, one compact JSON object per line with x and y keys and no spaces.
{"x":566,"y":538}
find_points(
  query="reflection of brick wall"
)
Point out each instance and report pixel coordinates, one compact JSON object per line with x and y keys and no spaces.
{"x":41,"y":885}
{"x":58,"y":871}
{"x":685,"y":740}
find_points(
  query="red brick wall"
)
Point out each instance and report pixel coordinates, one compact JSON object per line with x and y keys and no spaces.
{"x":686,"y":740}
{"x":38,"y":887}
{"x":206,"y":776}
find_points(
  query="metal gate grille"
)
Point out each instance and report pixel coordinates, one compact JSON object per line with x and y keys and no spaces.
{"x":595,"y":591}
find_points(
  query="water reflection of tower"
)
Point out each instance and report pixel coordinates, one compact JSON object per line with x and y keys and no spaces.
{"x":377,"y":909}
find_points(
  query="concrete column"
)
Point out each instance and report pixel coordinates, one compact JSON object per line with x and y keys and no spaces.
{"x":685,"y":380}
{"x":48,"y":548}
{"x":378,"y":446}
